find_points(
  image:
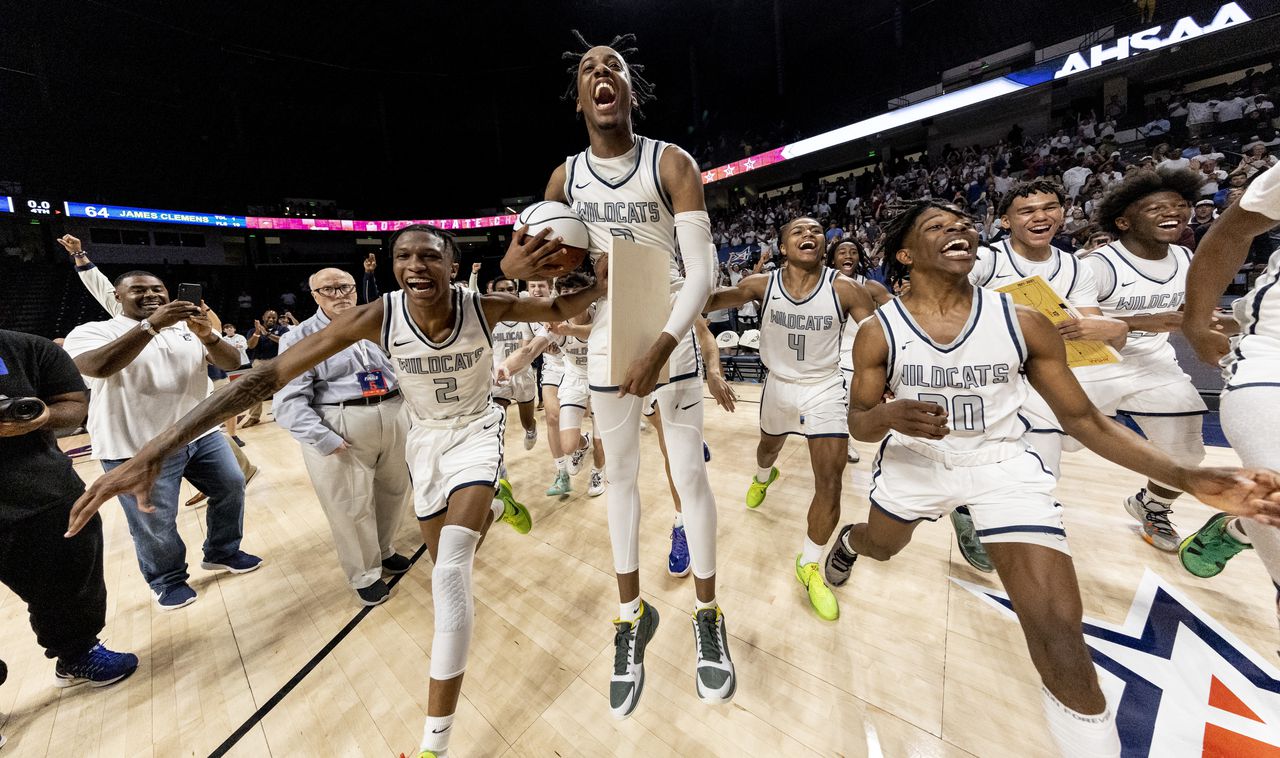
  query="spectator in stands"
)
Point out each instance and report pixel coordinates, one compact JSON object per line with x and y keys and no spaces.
{"x":1174,"y":160}
{"x":1235,"y":180}
{"x":1230,"y":113}
{"x":1256,"y":157}
{"x":60,"y":580}
{"x":1199,"y":114}
{"x":1260,"y":110}
{"x":1201,"y":218}
{"x":288,"y":301}
{"x":1114,"y":109}
{"x":264,"y":345}
{"x":1155,"y":129}
{"x":1075,"y":177}
{"x":349,"y":418}
{"x":1177,"y":112}
{"x":146,"y":370}
{"x":1210,"y":173}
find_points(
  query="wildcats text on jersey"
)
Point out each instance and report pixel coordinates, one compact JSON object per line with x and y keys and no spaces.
{"x":618,"y":212}
{"x":800,"y":321}
{"x":440,"y":364}
{"x":956,"y":377}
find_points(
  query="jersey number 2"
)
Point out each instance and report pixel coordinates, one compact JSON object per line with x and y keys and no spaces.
{"x":446,"y":389}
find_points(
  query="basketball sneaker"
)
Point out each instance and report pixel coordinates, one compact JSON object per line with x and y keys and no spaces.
{"x":596,"y":489}
{"x":530,"y":438}
{"x":821,"y":597}
{"x":513,"y":513}
{"x":629,"y":641}
{"x":854,"y":456}
{"x":1206,"y":552}
{"x":757,"y":490}
{"x":678,"y":559}
{"x":579,"y":455}
{"x":715,"y":678}
{"x":839,"y":562}
{"x":1157,"y":530}
{"x":562,"y":486}
{"x":97,"y":667}
{"x":967,"y":540}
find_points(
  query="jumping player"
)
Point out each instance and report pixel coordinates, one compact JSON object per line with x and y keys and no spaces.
{"x":1250,"y":405}
{"x":521,"y":387}
{"x":1141,"y":281}
{"x":803,"y":317}
{"x":438,"y":336}
{"x":629,"y":186}
{"x":953,"y":356}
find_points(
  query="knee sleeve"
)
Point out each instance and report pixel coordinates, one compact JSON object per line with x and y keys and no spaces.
{"x":1179,"y":437}
{"x":617,"y":422}
{"x":571,"y":416}
{"x":451,"y":595}
{"x":1048,"y":445}
{"x":681,"y":409}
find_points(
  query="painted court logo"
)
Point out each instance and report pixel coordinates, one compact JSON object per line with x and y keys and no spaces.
{"x":1181,"y":684}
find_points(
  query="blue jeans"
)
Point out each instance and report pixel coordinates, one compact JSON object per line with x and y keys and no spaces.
{"x":209,"y":465}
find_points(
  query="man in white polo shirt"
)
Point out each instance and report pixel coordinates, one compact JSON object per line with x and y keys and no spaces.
{"x":146,"y":369}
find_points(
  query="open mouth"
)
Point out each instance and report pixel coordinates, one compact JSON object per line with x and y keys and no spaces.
{"x":603,"y":94}
{"x":847,"y":267}
{"x":1167,"y":225}
{"x":1040,"y":228}
{"x":956,"y":248}
{"x":809,"y":244}
{"x":419,"y":284}
{"x":152,"y":302}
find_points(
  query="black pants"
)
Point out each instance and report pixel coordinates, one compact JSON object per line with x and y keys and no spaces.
{"x":60,"y":579}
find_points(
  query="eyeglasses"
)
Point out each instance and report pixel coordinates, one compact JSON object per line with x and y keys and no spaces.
{"x":340,"y":290}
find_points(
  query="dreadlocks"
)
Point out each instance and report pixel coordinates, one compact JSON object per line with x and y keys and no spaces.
{"x":895,"y":235}
{"x":861,"y":268}
{"x":641,"y":87}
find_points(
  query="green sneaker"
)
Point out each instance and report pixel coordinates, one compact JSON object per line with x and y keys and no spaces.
{"x":756,"y":492}
{"x":513,"y":513}
{"x":562,"y":486}
{"x":1206,"y":552}
{"x":821,"y":597}
{"x":967,"y":540}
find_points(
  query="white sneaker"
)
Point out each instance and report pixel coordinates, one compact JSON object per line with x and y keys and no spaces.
{"x":854,"y":457}
{"x":530,"y":438}
{"x":629,"y":642}
{"x":579,"y":455}
{"x":597,"y":483}
{"x":715,"y":676}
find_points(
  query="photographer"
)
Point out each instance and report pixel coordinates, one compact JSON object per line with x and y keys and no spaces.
{"x":59,"y":579}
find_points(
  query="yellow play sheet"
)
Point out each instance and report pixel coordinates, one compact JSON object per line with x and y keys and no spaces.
{"x":1035,"y":292}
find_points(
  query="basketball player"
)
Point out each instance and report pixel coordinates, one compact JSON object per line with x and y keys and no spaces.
{"x":953,"y":356}
{"x":1032,"y":213}
{"x":551,"y":376}
{"x":1250,"y":405}
{"x":629,"y":186}
{"x":848,"y":257}
{"x":520,"y":388}
{"x":1141,"y":279}
{"x":438,"y":336}
{"x":803,"y":317}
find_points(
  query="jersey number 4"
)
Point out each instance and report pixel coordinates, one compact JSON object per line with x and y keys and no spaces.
{"x":796,"y":343}
{"x":965,"y":412}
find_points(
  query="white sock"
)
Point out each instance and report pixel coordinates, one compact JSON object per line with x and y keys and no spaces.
{"x":679,"y":519}
{"x":435,"y":733}
{"x":703,"y":604}
{"x":498,"y":507}
{"x":562,"y":463}
{"x":1080,"y":735}
{"x":1155,"y":502}
{"x":763,"y":474}
{"x":1236,"y":529}
{"x":629,"y":611}
{"x":811,"y":553}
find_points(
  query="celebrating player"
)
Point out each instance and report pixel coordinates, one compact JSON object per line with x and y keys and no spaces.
{"x":438,"y":336}
{"x":625,"y":185}
{"x":521,"y":387}
{"x":805,"y":309}
{"x":848,"y":257}
{"x":953,"y":355}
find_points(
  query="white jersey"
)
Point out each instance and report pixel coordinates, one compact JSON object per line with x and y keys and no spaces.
{"x":999,"y":265}
{"x":1259,"y":311}
{"x":574,"y":351}
{"x":441,"y":380}
{"x":623,"y":197}
{"x":848,"y":333}
{"x":976,"y":378}
{"x":800,"y":336}
{"x":1132,"y":286}
{"x":508,"y":337}
{"x":552,"y":358}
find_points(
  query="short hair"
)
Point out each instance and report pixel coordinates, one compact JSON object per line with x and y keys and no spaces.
{"x":895,"y":233}
{"x":450,"y":243}
{"x":130,"y":274}
{"x":862,"y":268}
{"x":504,"y":279}
{"x":624,"y":44}
{"x":1028,"y":188}
{"x":574,"y":280}
{"x":1139,"y":184}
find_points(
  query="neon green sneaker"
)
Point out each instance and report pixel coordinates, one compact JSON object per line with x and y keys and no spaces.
{"x":513,"y":513}
{"x":756,"y":492}
{"x":1206,"y":552}
{"x":821,"y":597}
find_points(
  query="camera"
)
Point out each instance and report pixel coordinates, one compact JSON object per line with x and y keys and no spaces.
{"x":19,"y":409}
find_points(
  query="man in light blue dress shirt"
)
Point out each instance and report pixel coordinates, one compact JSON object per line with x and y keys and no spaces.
{"x":349,"y":417}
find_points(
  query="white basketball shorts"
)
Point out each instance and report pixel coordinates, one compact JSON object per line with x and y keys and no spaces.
{"x":575,"y":399}
{"x":819,"y":409}
{"x":444,"y":458}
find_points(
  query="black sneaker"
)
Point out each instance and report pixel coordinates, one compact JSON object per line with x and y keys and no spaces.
{"x":238,"y":562}
{"x":715,"y":676}
{"x":396,"y":564}
{"x":629,"y":642}
{"x":375,"y":594}
{"x":97,"y":667}
{"x":839,"y":563}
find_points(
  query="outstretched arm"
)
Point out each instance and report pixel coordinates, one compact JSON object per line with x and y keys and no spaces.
{"x":138,"y":474}
{"x":747,"y":289}
{"x":503,"y":307}
{"x":1254,"y":493}
{"x":524,"y":355}
{"x":719,"y":388}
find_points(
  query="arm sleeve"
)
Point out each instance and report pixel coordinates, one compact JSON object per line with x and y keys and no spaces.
{"x":100,"y":287}
{"x":693,"y":232}
{"x":293,"y":411}
{"x":473,"y":282}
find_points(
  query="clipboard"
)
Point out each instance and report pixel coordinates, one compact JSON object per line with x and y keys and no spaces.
{"x":1035,"y":292}
{"x":639,"y":304}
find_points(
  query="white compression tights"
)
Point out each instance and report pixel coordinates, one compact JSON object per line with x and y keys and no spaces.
{"x":1179,"y":437}
{"x":1251,"y":420}
{"x":618,"y":423}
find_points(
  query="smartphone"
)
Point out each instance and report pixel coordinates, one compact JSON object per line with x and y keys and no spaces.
{"x":190,"y":293}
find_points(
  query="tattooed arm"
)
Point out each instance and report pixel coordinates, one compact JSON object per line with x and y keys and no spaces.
{"x":138,"y":474}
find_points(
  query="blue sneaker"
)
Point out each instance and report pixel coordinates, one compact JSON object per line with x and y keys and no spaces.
{"x":98,"y":667}
{"x":175,"y":597}
{"x":238,"y":562}
{"x":706,"y":452}
{"x":678,"y":560}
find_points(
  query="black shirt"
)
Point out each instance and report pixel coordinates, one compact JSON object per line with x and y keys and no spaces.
{"x":268,"y":348}
{"x":35,"y":474}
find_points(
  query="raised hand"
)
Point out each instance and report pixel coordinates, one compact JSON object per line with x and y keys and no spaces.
{"x":71,"y":244}
{"x":172,"y":312}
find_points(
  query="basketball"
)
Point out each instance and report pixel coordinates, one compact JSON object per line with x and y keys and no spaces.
{"x":563,"y":222}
